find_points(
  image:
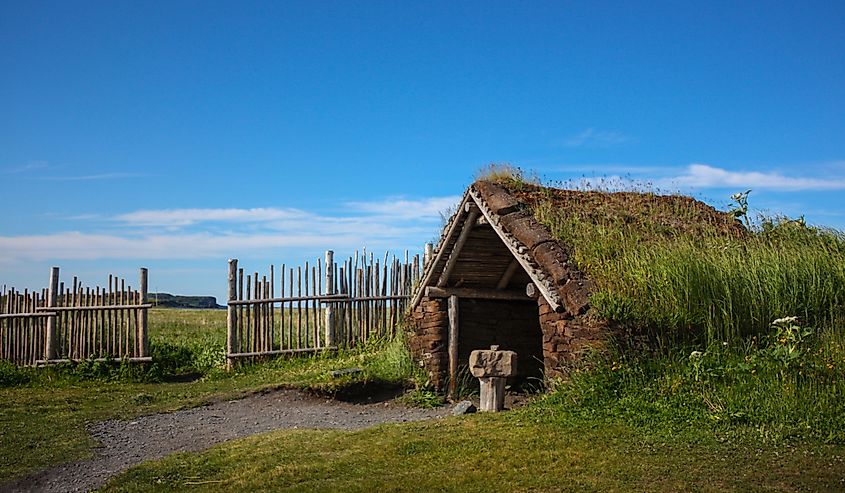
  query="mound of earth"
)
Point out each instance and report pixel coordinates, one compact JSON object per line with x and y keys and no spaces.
{"x":669,"y":214}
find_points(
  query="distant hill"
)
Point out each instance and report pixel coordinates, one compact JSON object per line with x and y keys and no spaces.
{"x":166,"y":300}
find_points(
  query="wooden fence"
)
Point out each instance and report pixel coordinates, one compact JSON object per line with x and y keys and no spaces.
{"x":319,"y":306}
{"x":70,"y":323}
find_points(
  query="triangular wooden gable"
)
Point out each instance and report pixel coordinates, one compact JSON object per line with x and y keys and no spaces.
{"x":474,"y":210}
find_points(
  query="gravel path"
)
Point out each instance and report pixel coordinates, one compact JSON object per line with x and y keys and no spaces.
{"x":124,"y":444}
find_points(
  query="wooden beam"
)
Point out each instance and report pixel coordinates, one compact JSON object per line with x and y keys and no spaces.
{"x":453,"y":345}
{"x":322,"y":298}
{"x":47,"y":362}
{"x":282,"y":352}
{"x":476,"y":293}
{"x":508,"y":275}
{"x":90,"y":308}
{"x":469,"y":223}
{"x":28,"y":315}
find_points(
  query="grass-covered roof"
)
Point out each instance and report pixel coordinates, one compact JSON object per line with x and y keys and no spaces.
{"x":673,"y":266}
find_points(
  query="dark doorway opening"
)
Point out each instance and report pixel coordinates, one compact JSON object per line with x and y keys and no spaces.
{"x":512,"y":325}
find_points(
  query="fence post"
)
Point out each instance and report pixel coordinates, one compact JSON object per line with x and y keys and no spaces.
{"x":232,"y":314}
{"x":51,"y":339}
{"x":143,"y":334}
{"x":429,"y":252}
{"x":330,"y":323}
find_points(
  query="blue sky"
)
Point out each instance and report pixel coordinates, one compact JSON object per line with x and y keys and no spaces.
{"x":175,"y":135}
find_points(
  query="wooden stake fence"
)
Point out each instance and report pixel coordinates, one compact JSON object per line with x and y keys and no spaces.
{"x":72,"y":323}
{"x":319,"y":306}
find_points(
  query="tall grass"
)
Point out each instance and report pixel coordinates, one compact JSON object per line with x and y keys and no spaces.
{"x":735,"y":389}
{"x":681,"y":283}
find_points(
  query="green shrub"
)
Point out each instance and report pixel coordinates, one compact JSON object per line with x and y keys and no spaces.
{"x":173,"y":359}
{"x":11,"y":375}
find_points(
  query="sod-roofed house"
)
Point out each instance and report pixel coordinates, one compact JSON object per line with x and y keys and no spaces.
{"x":499,"y":277}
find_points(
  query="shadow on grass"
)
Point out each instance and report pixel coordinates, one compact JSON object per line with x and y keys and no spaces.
{"x":360,"y":391}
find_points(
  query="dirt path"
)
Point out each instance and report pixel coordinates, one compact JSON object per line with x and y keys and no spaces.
{"x":124,"y":444}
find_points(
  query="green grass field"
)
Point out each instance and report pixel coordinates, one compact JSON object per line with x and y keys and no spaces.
{"x":525,"y":450}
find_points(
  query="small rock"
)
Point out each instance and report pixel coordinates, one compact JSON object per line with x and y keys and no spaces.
{"x":463,"y":407}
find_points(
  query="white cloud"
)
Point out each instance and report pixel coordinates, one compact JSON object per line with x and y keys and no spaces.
{"x":398,"y":207}
{"x":186,"y":217}
{"x":390,"y":209}
{"x":218,"y":232}
{"x":83,"y":246}
{"x":596,"y":138}
{"x":706,"y":176}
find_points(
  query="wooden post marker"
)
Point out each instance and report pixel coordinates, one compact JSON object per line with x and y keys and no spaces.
{"x":51,"y":340}
{"x":492,"y":367}
{"x":232,"y":314}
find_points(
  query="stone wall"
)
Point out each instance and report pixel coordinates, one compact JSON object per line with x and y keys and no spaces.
{"x":566,"y":338}
{"x":429,"y":343}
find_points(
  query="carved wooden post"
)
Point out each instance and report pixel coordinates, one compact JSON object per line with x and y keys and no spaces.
{"x":330,"y":322}
{"x":453,"y":345}
{"x":232,"y":313}
{"x":143,"y":335}
{"x":51,"y":338}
